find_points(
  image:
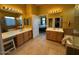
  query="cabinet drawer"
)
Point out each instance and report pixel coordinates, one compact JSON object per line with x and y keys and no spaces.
{"x":59,"y":37}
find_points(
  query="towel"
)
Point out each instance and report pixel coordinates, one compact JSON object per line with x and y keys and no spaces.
{"x":68,"y":39}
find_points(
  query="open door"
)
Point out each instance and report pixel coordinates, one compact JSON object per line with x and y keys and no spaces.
{"x":35,"y":22}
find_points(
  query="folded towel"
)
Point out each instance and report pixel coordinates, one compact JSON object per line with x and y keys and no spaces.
{"x":68,"y":39}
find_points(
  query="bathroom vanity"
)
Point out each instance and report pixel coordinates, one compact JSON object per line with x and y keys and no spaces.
{"x":15,"y":38}
{"x":20,"y":36}
{"x":55,"y":34}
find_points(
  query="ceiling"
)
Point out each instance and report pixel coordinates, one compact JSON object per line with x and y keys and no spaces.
{"x":54,"y":5}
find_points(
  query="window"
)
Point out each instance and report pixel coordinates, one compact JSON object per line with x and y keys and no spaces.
{"x":43,"y":20}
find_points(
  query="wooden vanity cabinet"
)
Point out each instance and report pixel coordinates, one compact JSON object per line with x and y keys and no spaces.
{"x":55,"y":36}
{"x":22,"y":38}
{"x":26,"y":36}
{"x":19,"y":40}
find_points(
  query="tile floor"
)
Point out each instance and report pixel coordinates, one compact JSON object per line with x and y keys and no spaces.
{"x":40,"y":46}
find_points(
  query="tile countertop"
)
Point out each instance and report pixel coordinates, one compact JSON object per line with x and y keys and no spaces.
{"x":55,"y":29}
{"x":14,"y":33}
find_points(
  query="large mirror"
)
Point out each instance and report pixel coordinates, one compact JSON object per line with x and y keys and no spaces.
{"x":50,"y":22}
{"x":58,"y":23}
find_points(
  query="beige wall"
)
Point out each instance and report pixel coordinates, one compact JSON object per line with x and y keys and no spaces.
{"x":67,"y":14}
{"x":29,"y":10}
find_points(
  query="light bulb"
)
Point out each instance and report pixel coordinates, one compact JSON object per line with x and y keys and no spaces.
{"x":9,"y":8}
{"x":6,"y":8}
{"x":52,"y":11}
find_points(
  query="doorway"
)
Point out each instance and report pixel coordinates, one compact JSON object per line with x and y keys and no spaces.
{"x":35,"y":22}
{"x":42,"y":26}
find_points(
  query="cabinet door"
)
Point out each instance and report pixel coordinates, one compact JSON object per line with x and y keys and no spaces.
{"x":30,"y":34}
{"x":54,"y":35}
{"x":49,"y":35}
{"x":59,"y":37}
{"x":26,"y":36}
{"x":19,"y":40}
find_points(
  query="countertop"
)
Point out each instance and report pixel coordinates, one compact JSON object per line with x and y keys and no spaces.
{"x":55,"y":29}
{"x":14,"y":33}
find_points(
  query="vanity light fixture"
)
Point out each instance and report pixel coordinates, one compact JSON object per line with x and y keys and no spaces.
{"x":54,"y":11}
{"x":50,"y":11}
{"x":10,"y":9}
{"x":59,"y":10}
{"x":6,"y":8}
{"x":13,"y":9}
{"x":2,"y":8}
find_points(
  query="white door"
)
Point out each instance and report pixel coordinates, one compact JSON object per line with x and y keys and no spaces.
{"x":35,"y":22}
